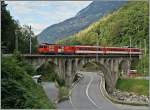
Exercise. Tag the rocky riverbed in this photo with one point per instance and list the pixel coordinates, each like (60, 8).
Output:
(130, 97)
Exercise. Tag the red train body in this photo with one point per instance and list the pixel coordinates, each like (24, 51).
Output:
(68, 49)
(48, 48)
(61, 49)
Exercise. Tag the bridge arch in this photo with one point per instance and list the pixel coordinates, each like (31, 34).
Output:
(80, 64)
(104, 68)
(70, 64)
(124, 66)
(51, 70)
(107, 75)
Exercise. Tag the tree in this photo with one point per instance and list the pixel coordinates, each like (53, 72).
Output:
(24, 39)
(8, 28)
(11, 31)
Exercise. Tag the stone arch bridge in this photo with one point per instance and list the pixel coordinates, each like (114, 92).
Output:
(69, 65)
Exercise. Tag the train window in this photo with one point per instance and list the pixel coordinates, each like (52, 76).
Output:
(83, 48)
(89, 48)
(44, 46)
(94, 49)
(41, 46)
(135, 50)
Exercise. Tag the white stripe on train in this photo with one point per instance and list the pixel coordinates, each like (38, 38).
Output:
(107, 52)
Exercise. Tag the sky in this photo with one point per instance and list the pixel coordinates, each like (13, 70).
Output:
(41, 14)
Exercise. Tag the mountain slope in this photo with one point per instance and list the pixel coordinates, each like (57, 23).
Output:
(83, 18)
(116, 29)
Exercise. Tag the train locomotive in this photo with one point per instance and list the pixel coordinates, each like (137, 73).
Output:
(46, 48)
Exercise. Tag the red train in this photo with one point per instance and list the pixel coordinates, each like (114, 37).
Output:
(46, 48)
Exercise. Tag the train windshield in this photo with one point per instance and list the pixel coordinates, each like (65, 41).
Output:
(42, 46)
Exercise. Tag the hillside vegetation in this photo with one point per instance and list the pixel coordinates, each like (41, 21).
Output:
(18, 89)
(139, 86)
(116, 29)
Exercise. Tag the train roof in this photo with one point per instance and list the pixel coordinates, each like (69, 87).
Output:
(48, 44)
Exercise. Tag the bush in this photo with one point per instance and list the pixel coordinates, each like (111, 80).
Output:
(63, 92)
(61, 82)
(47, 72)
(18, 89)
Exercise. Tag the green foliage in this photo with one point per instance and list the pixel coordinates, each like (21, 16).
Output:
(24, 39)
(22, 63)
(11, 29)
(116, 29)
(48, 73)
(91, 66)
(61, 82)
(69, 41)
(63, 92)
(139, 86)
(8, 26)
(143, 66)
(18, 89)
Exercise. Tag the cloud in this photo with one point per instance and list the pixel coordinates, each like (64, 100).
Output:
(41, 14)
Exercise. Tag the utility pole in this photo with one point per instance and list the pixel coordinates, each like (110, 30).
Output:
(130, 48)
(16, 40)
(130, 54)
(97, 33)
(145, 46)
(140, 56)
(30, 40)
(140, 45)
(144, 55)
(97, 50)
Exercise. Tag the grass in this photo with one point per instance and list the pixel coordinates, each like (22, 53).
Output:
(63, 92)
(138, 86)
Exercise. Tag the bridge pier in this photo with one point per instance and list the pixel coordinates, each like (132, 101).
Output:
(124, 66)
(68, 66)
(60, 66)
